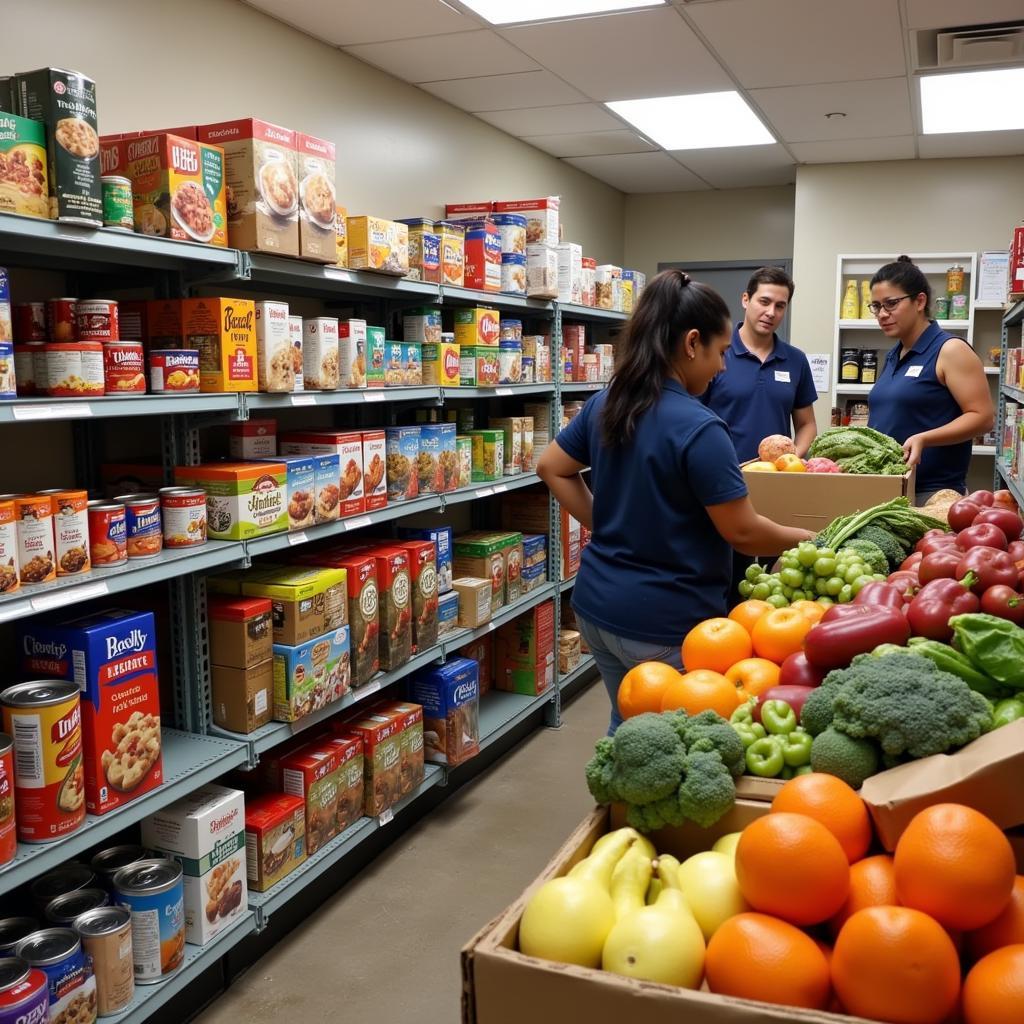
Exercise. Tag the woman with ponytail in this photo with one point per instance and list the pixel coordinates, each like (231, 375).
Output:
(668, 499)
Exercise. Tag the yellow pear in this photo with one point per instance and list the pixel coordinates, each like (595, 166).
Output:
(708, 880)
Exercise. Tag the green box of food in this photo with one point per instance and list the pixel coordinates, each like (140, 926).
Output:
(488, 455)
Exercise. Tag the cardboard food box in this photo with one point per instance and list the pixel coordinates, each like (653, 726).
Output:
(261, 170)
(275, 838)
(318, 238)
(224, 332)
(205, 833)
(378, 244)
(252, 439)
(313, 773)
(306, 602)
(240, 631)
(812, 500)
(348, 447)
(382, 759)
(243, 499)
(350, 780)
(275, 355)
(474, 601)
(23, 183)
(312, 675)
(242, 697)
(450, 695)
(423, 578)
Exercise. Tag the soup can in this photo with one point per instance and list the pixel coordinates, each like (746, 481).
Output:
(108, 534)
(124, 368)
(58, 953)
(13, 930)
(65, 910)
(44, 719)
(60, 320)
(117, 203)
(108, 862)
(24, 993)
(106, 936)
(29, 321)
(96, 320)
(70, 530)
(153, 892)
(60, 881)
(143, 524)
(8, 833)
(184, 515)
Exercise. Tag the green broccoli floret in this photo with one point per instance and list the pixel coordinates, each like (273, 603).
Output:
(883, 539)
(708, 791)
(816, 714)
(908, 705)
(871, 554)
(708, 731)
(849, 759)
(599, 771)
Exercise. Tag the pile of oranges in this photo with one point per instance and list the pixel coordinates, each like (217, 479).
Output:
(727, 661)
(932, 934)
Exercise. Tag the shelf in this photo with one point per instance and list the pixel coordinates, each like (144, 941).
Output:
(260, 270)
(853, 389)
(571, 311)
(356, 396)
(266, 903)
(500, 391)
(24, 410)
(568, 387)
(543, 308)
(189, 761)
(140, 572)
(1012, 484)
(872, 325)
(452, 642)
(566, 585)
(1015, 314)
(983, 449)
(570, 683)
(501, 712)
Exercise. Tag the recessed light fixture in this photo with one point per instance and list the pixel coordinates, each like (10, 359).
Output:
(973, 101)
(510, 12)
(708, 120)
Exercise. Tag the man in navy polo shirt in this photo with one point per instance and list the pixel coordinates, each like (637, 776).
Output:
(766, 387)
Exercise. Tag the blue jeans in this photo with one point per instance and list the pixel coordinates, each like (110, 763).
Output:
(616, 655)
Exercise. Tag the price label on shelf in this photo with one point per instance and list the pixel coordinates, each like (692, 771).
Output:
(386, 817)
(72, 595)
(303, 399)
(46, 412)
(297, 538)
(503, 391)
(358, 523)
(373, 396)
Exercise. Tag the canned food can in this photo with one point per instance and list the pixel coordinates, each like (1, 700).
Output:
(124, 368)
(153, 892)
(143, 524)
(75, 370)
(10, 575)
(34, 521)
(96, 320)
(60, 319)
(108, 534)
(58, 953)
(8, 835)
(44, 719)
(8, 371)
(184, 515)
(24, 993)
(117, 203)
(25, 369)
(13, 930)
(60, 881)
(174, 370)
(106, 936)
(64, 910)
(29, 321)
(71, 531)
(108, 862)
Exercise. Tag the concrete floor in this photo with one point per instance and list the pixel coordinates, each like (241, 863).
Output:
(386, 947)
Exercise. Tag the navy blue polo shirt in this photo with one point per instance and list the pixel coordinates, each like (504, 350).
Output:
(656, 565)
(909, 398)
(757, 399)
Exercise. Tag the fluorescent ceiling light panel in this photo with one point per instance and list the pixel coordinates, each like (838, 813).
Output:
(511, 12)
(976, 101)
(708, 120)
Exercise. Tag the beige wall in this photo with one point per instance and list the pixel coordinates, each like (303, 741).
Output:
(401, 152)
(738, 224)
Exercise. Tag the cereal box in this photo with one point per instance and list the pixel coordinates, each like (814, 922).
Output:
(424, 250)
(375, 480)
(313, 773)
(350, 779)
(474, 601)
(311, 675)
(403, 452)
(442, 364)
(541, 217)
(447, 613)
(349, 449)
(488, 455)
(327, 487)
(378, 244)
(483, 256)
(261, 170)
(224, 331)
(450, 695)
(300, 488)
(252, 439)
(275, 356)
(453, 252)
(479, 366)
(464, 454)
(305, 602)
(381, 736)
(395, 593)
(477, 325)
(482, 555)
(352, 353)
(275, 838)
(23, 184)
(205, 833)
(512, 427)
(376, 350)
(111, 655)
(318, 239)
(423, 578)
(320, 363)
(570, 273)
(341, 231)
(243, 499)
(438, 462)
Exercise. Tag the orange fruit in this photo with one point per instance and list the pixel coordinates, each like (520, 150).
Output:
(701, 690)
(779, 634)
(746, 613)
(832, 802)
(715, 644)
(810, 610)
(752, 676)
(872, 884)
(753, 956)
(994, 988)
(955, 864)
(896, 964)
(643, 687)
(1006, 930)
(791, 866)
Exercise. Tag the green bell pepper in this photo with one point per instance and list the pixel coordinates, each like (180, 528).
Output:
(749, 732)
(778, 717)
(765, 758)
(992, 645)
(1007, 711)
(796, 748)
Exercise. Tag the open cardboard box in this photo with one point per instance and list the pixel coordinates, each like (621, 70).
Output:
(812, 500)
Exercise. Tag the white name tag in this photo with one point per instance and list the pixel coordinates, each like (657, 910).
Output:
(913, 371)
(782, 376)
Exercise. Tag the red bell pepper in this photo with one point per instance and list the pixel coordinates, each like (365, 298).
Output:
(835, 640)
(879, 595)
(983, 567)
(936, 603)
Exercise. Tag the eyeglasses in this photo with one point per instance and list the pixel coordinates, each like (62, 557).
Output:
(887, 304)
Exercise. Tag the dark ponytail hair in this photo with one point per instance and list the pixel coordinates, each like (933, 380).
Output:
(670, 307)
(905, 274)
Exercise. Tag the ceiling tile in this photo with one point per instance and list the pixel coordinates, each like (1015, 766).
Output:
(505, 92)
(873, 109)
(972, 144)
(624, 56)
(590, 143)
(740, 166)
(569, 117)
(367, 21)
(459, 55)
(799, 42)
(640, 172)
(845, 151)
(951, 13)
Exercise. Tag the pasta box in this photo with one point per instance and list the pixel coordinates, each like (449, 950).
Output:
(111, 656)
(348, 446)
(243, 499)
(441, 537)
(423, 578)
(275, 838)
(306, 602)
(23, 182)
(450, 695)
(378, 244)
(300, 488)
(313, 773)
(310, 676)
(224, 332)
(477, 325)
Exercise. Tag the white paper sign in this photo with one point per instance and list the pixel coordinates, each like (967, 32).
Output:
(821, 371)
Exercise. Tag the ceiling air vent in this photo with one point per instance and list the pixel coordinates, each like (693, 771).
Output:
(970, 47)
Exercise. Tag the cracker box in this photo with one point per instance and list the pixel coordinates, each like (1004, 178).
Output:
(224, 332)
(275, 356)
(513, 429)
(252, 439)
(348, 446)
(403, 448)
(438, 462)
(474, 601)
(341, 231)
(311, 675)
(205, 833)
(327, 487)
(381, 736)
(453, 252)
(375, 480)
(541, 217)
(23, 183)
(378, 244)
(178, 188)
(447, 613)
(261, 171)
(350, 779)
(441, 537)
(111, 656)
(423, 578)
(241, 630)
(243, 499)
(306, 602)
(442, 364)
(300, 488)
(275, 838)
(450, 695)
(313, 773)
(243, 698)
(320, 354)
(570, 273)
(488, 454)
(483, 256)
(318, 238)
(424, 250)
(477, 325)
(352, 353)
(482, 555)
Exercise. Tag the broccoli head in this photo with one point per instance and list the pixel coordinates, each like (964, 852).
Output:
(708, 731)
(708, 790)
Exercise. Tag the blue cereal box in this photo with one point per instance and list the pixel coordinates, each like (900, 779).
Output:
(442, 538)
(311, 675)
(439, 463)
(327, 487)
(403, 453)
(450, 695)
(447, 612)
(112, 657)
(300, 488)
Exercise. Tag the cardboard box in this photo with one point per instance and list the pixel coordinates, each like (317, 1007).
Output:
(232, 511)
(318, 238)
(275, 838)
(474, 601)
(450, 695)
(306, 602)
(313, 773)
(242, 697)
(240, 631)
(252, 439)
(205, 833)
(224, 332)
(311, 675)
(275, 358)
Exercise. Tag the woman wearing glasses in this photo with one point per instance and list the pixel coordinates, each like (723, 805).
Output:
(932, 394)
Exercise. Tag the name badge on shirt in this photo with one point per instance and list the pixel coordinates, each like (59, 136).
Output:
(913, 371)
(782, 376)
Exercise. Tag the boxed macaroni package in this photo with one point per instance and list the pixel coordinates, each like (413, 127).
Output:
(450, 695)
